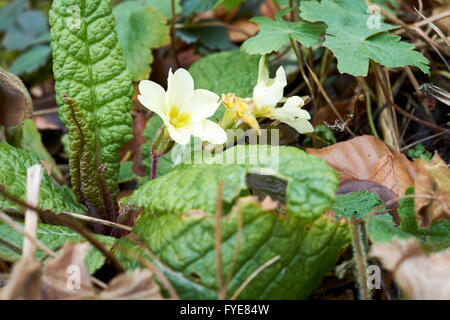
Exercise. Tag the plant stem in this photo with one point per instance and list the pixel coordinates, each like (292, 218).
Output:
(155, 159)
(172, 35)
(360, 258)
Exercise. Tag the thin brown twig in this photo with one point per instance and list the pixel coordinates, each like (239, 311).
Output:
(421, 140)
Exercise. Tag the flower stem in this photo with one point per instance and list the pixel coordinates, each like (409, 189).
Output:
(155, 159)
(360, 258)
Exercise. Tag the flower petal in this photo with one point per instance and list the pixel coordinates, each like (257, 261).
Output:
(263, 71)
(268, 94)
(152, 96)
(291, 110)
(301, 125)
(201, 104)
(180, 86)
(181, 136)
(210, 131)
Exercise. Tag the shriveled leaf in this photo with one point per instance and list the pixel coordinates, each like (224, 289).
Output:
(381, 228)
(185, 247)
(368, 158)
(13, 174)
(355, 39)
(419, 276)
(140, 29)
(224, 72)
(432, 180)
(53, 237)
(15, 106)
(274, 34)
(25, 281)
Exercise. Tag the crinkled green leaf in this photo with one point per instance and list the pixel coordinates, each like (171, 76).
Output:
(140, 29)
(357, 204)
(311, 183)
(382, 228)
(355, 39)
(276, 33)
(30, 60)
(53, 237)
(224, 72)
(89, 67)
(185, 247)
(13, 174)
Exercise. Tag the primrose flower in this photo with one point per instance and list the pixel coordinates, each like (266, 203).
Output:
(266, 95)
(183, 110)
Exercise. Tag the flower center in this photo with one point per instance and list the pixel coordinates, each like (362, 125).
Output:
(177, 119)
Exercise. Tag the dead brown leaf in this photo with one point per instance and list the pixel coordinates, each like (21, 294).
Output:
(242, 29)
(433, 180)
(15, 105)
(25, 281)
(419, 276)
(368, 158)
(132, 285)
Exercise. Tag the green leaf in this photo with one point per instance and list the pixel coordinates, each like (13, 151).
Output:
(32, 141)
(53, 237)
(420, 152)
(185, 247)
(356, 204)
(353, 43)
(140, 29)
(163, 6)
(30, 60)
(89, 67)
(311, 183)
(229, 4)
(382, 228)
(212, 37)
(274, 34)
(196, 6)
(323, 137)
(10, 12)
(126, 172)
(224, 72)
(13, 174)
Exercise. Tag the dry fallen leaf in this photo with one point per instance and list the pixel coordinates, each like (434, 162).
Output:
(67, 277)
(132, 285)
(368, 158)
(420, 277)
(432, 179)
(15, 105)
(242, 29)
(25, 281)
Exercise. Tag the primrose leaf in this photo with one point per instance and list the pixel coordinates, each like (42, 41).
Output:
(185, 247)
(276, 33)
(382, 228)
(30, 60)
(89, 67)
(53, 237)
(224, 72)
(140, 29)
(310, 190)
(354, 41)
(13, 174)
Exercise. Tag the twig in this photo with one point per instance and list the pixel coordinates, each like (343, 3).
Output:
(333, 107)
(100, 221)
(421, 140)
(253, 276)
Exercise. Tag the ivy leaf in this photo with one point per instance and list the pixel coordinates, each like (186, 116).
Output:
(89, 67)
(185, 247)
(224, 72)
(13, 174)
(382, 228)
(30, 60)
(276, 33)
(353, 43)
(140, 29)
(53, 237)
